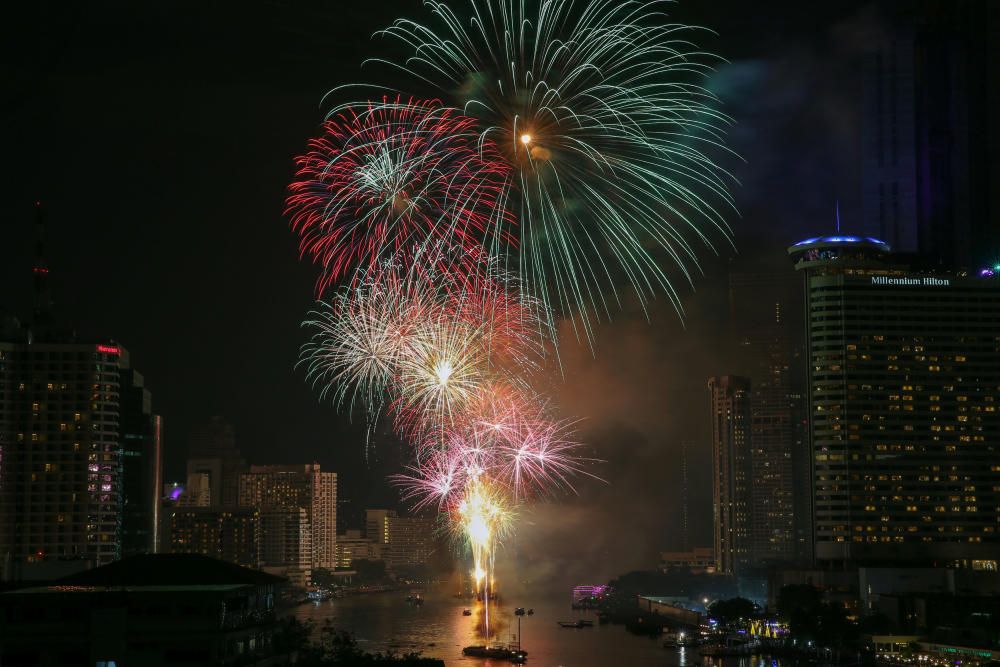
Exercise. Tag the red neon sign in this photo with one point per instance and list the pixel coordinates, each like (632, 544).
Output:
(109, 349)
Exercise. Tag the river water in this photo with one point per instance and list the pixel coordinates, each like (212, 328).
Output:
(385, 621)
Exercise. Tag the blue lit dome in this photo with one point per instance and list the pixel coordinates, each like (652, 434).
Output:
(843, 240)
(838, 248)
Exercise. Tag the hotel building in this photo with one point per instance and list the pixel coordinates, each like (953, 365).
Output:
(904, 393)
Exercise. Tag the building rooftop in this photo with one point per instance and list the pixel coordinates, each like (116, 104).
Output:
(174, 570)
(36, 590)
(842, 239)
(829, 251)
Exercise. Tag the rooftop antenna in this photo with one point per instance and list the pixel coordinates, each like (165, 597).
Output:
(40, 272)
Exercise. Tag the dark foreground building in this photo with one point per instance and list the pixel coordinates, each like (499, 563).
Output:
(151, 610)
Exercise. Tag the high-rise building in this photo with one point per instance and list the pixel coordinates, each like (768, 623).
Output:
(286, 544)
(205, 477)
(71, 413)
(686, 446)
(349, 515)
(142, 458)
(231, 534)
(731, 472)
(62, 460)
(904, 402)
(411, 541)
(197, 491)
(81, 456)
(377, 526)
(352, 546)
(763, 309)
(294, 487)
(696, 561)
(929, 132)
(216, 441)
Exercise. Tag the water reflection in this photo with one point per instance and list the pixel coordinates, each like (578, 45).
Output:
(438, 629)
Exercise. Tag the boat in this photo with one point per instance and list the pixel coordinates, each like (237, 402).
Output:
(510, 653)
(466, 612)
(578, 623)
(733, 647)
(676, 640)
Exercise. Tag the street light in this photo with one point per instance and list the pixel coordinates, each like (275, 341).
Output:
(519, 612)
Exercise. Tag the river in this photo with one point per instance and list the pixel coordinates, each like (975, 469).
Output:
(385, 621)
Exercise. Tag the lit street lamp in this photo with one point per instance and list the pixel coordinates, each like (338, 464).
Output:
(519, 612)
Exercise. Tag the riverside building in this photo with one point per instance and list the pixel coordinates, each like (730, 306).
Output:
(904, 393)
(283, 490)
(732, 473)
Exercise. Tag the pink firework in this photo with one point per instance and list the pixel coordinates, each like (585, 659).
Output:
(396, 176)
(504, 437)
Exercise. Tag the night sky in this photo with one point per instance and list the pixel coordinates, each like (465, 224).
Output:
(160, 137)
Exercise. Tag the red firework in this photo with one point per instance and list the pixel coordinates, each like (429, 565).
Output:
(395, 176)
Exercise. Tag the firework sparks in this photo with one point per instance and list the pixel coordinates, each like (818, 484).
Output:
(422, 339)
(390, 176)
(590, 127)
(601, 113)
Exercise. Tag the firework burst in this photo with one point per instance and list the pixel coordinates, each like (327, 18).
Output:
(505, 437)
(423, 338)
(588, 125)
(395, 176)
(600, 111)
(360, 336)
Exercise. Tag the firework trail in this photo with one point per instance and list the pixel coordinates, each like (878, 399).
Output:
(600, 112)
(572, 153)
(506, 450)
(449, 355)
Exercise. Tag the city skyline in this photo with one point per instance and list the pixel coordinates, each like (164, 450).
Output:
(219, 316)
(426, 332)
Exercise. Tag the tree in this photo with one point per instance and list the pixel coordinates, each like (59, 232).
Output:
(291, 636)
(810, 618)
(369, 571)
(798, 598)
(336, 648)
(875, 624)
(800, 606)
(734, 609)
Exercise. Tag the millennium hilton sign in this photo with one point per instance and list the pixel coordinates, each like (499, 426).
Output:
(906, 280)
